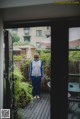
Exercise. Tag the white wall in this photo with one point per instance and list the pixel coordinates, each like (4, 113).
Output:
(1, 60)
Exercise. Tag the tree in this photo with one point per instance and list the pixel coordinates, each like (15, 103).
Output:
(15, 37)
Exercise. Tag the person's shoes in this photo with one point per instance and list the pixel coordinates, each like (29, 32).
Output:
(34, 97)
(38, 97)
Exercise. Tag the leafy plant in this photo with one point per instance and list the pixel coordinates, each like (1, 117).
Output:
(17, 74)
(26, 63)
(20, 110)
(74, 56)
(18, 57)
(22, 93)
(44, 51)
(22, 90)
(47, 77)
(22, 43)
(44, 56)
(15, 37)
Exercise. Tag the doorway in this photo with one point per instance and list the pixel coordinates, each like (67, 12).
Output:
(23, 52)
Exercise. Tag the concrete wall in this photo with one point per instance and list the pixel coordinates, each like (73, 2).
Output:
(1, 60)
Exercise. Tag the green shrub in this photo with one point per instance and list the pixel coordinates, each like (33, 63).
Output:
(19, 43)
(17, 74)
(46, 58)
(22, 93)
(20, 111)
(74, 56)
(44, 51)
(22, 90)
(25, 70)
(26, 63)
(18, 58)
(15, 37)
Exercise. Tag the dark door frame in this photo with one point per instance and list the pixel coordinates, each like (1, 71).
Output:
(59, 59)
(8, 102)
(6, 73)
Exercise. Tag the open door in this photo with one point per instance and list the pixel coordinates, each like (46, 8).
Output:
(8, 73)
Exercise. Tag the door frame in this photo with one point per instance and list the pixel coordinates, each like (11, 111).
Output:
(59, 59)
(8, 80)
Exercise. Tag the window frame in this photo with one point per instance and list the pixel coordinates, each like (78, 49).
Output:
(38, 33)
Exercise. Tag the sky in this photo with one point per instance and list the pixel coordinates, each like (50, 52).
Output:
(74, 33)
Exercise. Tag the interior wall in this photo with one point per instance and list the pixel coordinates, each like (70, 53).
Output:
(41, 12)
(1, 60)
(18, 3)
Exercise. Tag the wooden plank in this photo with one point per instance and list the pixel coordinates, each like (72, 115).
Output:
(43, 108)
(74, 99)
(29, 109)
(74, 75)
(47, 111)
(38, 109)
(49, 116)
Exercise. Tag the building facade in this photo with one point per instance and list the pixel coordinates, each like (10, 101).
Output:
(33, 35)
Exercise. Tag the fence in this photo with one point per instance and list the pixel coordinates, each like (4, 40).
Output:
(74, 68)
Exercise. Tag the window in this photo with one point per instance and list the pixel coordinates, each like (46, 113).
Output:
(47, 36)
(26, 30)
(39, 33)
(74, 69)
(26, 38)
(14, 30)
(74, 50)
(47, 27)
(38, 45)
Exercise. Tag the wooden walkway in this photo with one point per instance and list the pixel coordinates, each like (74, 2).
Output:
(38, 108)
(76, 113)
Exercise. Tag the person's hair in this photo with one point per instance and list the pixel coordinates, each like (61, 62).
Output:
(36, 55)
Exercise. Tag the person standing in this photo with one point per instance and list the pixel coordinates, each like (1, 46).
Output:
(36, 73)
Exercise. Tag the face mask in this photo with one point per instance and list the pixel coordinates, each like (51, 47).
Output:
(36, 58)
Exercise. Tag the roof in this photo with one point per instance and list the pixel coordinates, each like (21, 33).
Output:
(16, 49)
(22, 46)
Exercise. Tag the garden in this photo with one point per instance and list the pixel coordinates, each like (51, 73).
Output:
(74, 64)
(22, 85)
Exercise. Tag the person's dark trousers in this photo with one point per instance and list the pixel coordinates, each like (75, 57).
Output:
(36, 83)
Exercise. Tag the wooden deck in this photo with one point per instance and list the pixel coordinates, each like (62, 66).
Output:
(38, 108)
(75, 114)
